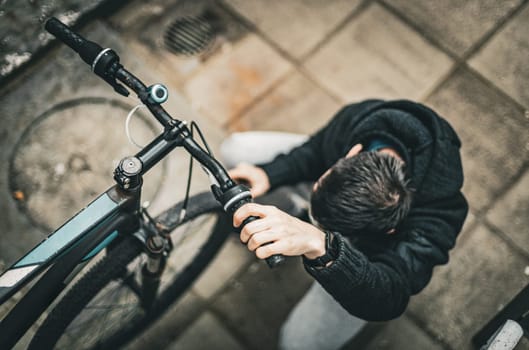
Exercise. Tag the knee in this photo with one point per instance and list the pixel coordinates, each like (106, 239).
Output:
(291, 337)
(285, 340)
(230, 150)
(228, 144)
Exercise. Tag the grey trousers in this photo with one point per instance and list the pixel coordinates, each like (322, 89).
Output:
(317, 322)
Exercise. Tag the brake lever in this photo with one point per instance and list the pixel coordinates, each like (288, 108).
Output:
(105, 65)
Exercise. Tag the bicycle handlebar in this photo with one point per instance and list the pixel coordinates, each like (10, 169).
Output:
(105, 63)
(88, 50)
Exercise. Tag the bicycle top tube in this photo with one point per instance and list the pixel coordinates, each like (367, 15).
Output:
(104, 209)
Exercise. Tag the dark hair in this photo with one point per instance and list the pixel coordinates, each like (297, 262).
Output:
(366, 193)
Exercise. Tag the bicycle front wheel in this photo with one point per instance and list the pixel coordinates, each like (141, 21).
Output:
(104, 308)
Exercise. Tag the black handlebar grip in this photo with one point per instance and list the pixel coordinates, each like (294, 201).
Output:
(272, 261)
(233, 199)
(88, 50)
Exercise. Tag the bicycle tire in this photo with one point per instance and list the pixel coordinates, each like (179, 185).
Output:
(70, 322)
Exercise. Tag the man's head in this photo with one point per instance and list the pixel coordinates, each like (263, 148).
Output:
(363, 193)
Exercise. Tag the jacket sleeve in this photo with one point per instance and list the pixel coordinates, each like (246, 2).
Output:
(378, 287)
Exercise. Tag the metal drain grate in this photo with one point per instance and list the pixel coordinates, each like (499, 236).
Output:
(189, 36)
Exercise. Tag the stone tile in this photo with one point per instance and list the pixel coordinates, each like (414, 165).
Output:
(230, 260)
(468, 225)
(144, 25)
(503, 60)
(296, 26)
(297, 105)
(206, 333)
(229, 82)
(469, 221)
(523, 344)
(398, 334)
(492, 130)
(510, 213)
(256, 303)
(170, 326)
(455, 25)
(483, 274)
(377, 55)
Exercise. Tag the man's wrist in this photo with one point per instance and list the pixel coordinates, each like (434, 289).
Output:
(317, 246)
(330, 253)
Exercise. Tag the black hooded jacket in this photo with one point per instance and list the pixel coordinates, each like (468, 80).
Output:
(374, 278)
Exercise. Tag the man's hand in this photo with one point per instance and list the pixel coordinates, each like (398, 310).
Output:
(286, 234)
(254, 176)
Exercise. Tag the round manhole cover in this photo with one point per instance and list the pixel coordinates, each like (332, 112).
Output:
(67, 157)
(189, 35)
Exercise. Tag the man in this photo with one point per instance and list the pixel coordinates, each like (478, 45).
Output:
(371, 246)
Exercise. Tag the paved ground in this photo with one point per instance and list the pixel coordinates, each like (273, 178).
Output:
(289, 65)
(22, 34)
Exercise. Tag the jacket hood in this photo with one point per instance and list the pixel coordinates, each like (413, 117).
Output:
(426, 142)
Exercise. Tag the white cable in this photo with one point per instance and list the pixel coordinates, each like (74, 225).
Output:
(127, 123)
(183, 213)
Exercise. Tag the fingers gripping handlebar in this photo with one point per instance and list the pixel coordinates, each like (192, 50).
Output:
(235, 198)
(105, 63)
(231, 198)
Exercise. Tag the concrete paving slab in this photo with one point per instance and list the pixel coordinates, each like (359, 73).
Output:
(233, 258)
(455, 25)
(378, 56)
(296, 105)
(296, 26)
(256, 303)
(523, 344)
(492, 130)
(483, 274)
(510, 213)
(398, 334)
(503, 60)
(144, 26)
(229, 82)
(470, 224)
(171, 326)
(205, 334)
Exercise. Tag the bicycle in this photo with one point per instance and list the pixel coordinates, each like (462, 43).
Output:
(139, 274)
